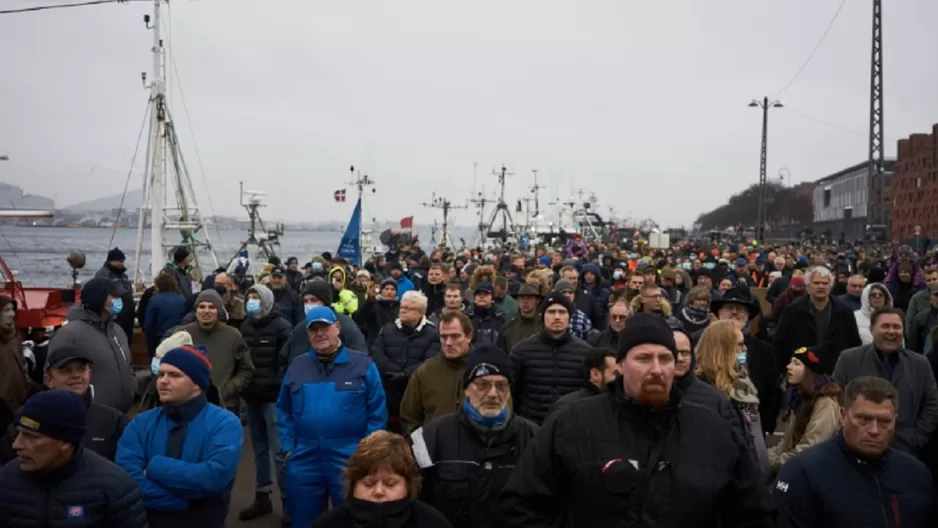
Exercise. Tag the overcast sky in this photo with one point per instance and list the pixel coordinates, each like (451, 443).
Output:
(642, 102)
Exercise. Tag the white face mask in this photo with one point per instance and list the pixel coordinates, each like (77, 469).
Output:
(155, 366)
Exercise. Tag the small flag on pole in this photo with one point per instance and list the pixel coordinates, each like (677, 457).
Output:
(407, 222)
(339, 195)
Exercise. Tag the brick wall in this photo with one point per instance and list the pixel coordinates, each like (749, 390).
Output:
(914, 188)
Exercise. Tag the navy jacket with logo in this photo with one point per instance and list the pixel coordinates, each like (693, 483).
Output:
(828, 486)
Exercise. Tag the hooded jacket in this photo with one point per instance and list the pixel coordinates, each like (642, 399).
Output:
(125, 319)
(863, 314)
(112, 374)
(344, 301)
(265, 335)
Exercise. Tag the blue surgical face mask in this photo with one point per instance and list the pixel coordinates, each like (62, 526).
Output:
(116, 306)
(740, 359)
(709, 265)
(155, 366)
(252, 307)
(633, 256)
(617, 275)
(685, 266)
(308, 307)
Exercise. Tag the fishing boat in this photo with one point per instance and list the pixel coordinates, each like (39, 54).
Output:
(38, 308)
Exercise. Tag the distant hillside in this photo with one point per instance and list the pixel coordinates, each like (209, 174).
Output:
(131, 203)
(13, 197)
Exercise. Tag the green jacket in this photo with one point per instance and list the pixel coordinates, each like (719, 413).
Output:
(508, 306)
(434, 389)
(516, 331)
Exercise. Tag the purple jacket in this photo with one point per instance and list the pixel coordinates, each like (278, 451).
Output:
(892, 278)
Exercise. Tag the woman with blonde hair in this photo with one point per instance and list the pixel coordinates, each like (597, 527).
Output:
(383, 485)
(814, 407)
(721, 362)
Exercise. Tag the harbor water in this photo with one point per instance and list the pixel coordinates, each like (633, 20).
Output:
(37, 254)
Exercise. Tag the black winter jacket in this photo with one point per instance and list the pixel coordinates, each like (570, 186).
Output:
(266, 337)
(543, 370)
(87, 491)
(563, 402)
(828, 486)
(797, 328)
(373, 315)
(608, 339)
(290, 305)
(398, 352)
(706, 395)
(105, 427)
(611, 462)
(465, 469)
(486, 325)
(361, 514)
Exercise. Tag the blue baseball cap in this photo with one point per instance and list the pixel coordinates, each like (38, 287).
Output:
(320, 314)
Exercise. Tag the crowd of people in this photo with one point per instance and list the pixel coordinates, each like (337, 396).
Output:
(587, 386)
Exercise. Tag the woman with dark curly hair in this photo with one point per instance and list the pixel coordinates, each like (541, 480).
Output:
(383, 485)
(814, 410)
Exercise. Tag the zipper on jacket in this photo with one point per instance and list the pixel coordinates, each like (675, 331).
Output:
(44, 522)
(896, 517)
(882, 501)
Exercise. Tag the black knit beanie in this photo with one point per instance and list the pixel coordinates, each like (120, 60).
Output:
(645, 329)
(555, 298)
(486, 360)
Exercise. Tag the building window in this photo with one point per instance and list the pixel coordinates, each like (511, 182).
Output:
(827, 197)
(918, 182)
(848, 213)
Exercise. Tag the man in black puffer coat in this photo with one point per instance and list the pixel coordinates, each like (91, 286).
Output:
(401, 347)
(466, 457)
(548, 364)
(266, 333)
(56, 482)
(638, 455)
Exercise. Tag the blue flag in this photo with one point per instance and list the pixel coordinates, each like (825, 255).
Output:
(350, 245)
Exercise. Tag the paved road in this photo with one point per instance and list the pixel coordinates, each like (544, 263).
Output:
(243, 493)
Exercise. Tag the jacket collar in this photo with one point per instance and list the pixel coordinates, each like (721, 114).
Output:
(423, 322)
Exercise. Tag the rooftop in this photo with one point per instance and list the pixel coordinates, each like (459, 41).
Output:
(888, 164)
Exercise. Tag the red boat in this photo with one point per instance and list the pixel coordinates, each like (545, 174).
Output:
(38, 307)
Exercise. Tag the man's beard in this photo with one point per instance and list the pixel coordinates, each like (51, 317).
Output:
(654, 393)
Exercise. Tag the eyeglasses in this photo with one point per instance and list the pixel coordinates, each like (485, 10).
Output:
(615, 317)
(484, 387)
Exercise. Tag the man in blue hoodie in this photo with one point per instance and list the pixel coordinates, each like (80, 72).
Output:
(184, 455)
(330, 399)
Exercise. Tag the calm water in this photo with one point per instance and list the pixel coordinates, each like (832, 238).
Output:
(37, 254)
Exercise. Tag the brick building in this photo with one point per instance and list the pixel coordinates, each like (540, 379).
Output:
(915, 187)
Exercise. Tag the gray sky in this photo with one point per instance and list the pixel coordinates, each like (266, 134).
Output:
(642, 102)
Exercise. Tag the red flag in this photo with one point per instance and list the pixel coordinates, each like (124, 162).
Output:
(407, 222)
(339, 195)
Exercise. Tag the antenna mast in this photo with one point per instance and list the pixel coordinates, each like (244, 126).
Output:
(877, 184)
(439, 202)
(508, 225)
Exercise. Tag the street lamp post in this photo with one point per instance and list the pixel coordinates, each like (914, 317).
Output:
(764, 104)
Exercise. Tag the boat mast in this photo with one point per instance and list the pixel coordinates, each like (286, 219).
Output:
(154, 176)
(360, 181)
(163, 147)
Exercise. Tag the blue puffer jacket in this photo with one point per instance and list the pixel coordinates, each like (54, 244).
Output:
(197, 486)
(322, 414)
(828, 486)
